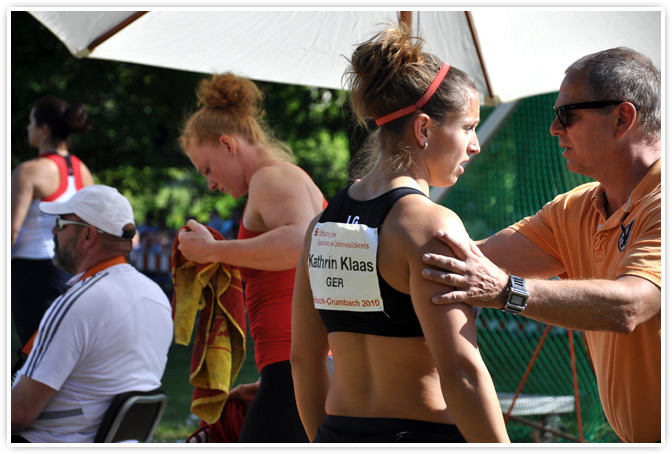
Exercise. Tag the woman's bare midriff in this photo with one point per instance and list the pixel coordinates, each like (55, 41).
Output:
(384, 377)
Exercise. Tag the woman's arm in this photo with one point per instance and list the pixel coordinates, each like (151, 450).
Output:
(309, 350)
(281, 203)
(87, 177)
(30, 180)
(450, 332)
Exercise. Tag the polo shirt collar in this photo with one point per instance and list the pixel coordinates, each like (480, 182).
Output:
(98, 268)
(648, 184)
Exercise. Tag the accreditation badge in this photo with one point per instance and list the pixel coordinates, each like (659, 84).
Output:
(342, 267)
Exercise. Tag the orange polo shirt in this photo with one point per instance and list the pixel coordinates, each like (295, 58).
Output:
(574, 229)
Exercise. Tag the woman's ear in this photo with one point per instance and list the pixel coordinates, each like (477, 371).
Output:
(228, 143)
(421, 130)
(45, 132)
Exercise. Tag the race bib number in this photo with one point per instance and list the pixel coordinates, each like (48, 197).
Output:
(342, 267)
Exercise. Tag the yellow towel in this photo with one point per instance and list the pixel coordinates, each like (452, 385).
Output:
(219, 345)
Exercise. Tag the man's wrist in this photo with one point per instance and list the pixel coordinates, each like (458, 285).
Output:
(516, 296)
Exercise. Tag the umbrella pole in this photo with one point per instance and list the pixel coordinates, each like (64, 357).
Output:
(406, 18)
(114, 30)
(477, 44)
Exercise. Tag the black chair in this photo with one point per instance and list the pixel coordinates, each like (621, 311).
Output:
(132, 415)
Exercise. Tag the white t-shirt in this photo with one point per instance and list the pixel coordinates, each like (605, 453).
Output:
(108, 334)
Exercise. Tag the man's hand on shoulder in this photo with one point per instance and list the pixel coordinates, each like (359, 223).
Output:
(475, 279)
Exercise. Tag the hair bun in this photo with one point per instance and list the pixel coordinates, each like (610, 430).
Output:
(378, 68)
(229, 92)
(391, 71)
(401, 49)
(76, 118)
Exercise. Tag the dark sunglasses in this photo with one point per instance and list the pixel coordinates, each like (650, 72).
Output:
(61, 223)
(562, 112)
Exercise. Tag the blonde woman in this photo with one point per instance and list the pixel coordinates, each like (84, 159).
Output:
(229, 143)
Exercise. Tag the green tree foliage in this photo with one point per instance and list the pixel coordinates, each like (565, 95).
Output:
(137, 112)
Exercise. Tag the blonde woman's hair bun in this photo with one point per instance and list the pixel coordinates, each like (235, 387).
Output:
(230, 92)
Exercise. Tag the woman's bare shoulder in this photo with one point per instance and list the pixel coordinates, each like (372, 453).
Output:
(36, 171)
(417, 218)
(283, 181)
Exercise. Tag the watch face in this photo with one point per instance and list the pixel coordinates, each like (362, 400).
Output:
(517, 300)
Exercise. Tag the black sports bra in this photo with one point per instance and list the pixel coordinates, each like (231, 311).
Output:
(398, 318)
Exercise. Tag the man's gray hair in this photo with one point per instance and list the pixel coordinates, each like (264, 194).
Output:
(627, 75)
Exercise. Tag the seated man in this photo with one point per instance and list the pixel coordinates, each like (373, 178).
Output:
(108, 333)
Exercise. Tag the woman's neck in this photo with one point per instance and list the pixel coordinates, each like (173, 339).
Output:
(61, 149)
(386, 176)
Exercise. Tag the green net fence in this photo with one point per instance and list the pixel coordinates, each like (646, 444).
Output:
(519, 170)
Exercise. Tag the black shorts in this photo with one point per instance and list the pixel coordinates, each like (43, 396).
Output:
(35, 285)
(273, 416)
(346, 429)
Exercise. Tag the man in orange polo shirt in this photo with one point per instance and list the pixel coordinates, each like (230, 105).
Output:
(603, 239)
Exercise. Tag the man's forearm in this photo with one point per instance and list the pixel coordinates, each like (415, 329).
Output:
(594, 305)
(29, 397)
(618, 305)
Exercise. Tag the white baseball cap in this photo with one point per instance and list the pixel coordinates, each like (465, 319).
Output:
(101, 206)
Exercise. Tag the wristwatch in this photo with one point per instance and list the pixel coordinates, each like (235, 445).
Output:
(516, 298)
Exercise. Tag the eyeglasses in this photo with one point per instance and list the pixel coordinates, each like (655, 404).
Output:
(562, 112)
(61, 223)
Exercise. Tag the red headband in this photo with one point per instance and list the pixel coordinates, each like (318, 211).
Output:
(421, 102)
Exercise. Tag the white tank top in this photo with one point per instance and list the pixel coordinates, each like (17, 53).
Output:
(35, 240)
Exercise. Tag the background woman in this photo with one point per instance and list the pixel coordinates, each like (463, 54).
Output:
(404, 368)
(230, 145)
(54, 175)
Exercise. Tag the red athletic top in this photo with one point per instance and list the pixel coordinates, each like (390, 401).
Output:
(268, 299)
(68, 165)
(35, 240)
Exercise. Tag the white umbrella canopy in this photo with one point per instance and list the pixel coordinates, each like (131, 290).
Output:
(511, 53)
